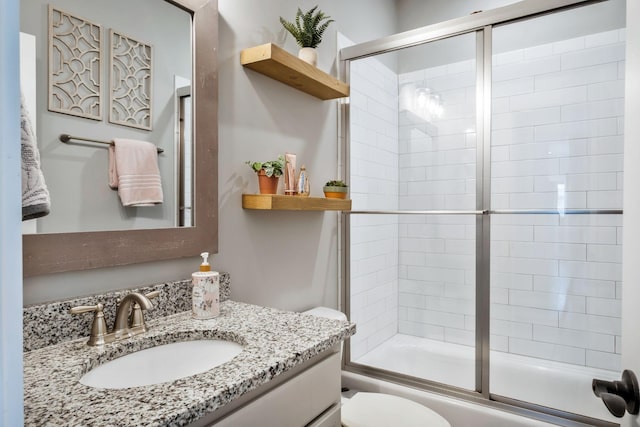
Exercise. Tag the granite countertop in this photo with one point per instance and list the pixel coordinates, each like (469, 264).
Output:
(274, 342)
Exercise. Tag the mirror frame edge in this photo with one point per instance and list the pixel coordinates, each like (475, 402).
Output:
(60, 252)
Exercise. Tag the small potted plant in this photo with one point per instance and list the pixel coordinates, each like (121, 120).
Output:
(335, 189)
(308, 29)
(268, 173)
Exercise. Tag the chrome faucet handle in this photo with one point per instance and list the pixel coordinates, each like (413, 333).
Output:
(98, 327)
(137, 318)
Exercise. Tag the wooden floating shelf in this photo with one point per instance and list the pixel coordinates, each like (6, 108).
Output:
(275, 202)
(280, 65)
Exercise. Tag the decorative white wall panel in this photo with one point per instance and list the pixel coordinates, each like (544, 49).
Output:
(130, 92)
(74, 65)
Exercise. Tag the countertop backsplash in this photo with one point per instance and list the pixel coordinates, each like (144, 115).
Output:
(51, 323)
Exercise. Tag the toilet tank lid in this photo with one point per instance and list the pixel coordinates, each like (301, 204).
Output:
(326, 312)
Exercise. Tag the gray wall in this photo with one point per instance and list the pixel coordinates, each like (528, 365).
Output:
(282, 259)
(76, 175)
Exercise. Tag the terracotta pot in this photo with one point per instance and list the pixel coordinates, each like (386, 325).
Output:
(267, 184)
(335, 192)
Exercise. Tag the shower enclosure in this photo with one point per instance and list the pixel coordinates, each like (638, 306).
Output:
(484, 251)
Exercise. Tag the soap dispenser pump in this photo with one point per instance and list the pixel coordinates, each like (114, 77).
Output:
(206, 291)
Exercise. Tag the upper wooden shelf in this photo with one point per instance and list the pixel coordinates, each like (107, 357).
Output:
(279, 64)
(277, 202)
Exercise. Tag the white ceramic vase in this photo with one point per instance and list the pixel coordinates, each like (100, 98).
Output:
(309, 55)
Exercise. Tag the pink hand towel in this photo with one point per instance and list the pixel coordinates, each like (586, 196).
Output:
(133, 170)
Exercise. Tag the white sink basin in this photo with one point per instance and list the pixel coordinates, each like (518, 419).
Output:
(160, 364)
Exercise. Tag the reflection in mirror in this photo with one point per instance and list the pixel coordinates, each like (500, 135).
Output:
(184, 140)
(141, 234)
(76, 173)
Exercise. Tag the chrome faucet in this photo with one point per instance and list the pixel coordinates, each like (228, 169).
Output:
(129, 319)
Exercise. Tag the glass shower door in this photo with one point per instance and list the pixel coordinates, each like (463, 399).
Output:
(412, 246)
(556, 203)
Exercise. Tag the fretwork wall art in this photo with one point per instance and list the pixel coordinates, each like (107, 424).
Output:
(76, 68)
(75, 62)
(130, 92)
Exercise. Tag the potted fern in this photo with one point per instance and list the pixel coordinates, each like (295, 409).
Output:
(335, 189)
(308, 29)
(268, 174)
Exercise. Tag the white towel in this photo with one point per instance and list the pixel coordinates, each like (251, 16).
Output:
(35, 195)
(133, 170)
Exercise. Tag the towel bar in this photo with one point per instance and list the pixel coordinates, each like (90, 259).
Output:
(66, 138)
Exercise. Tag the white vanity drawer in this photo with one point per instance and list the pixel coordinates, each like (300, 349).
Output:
(295, 403)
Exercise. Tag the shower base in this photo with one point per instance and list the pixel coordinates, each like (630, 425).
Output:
(552, 384)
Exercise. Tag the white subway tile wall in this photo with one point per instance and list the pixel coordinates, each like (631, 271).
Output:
(557, 143)
(437, 171)
(374, 184)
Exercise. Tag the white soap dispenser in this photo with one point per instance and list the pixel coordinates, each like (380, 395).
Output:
(206, 291)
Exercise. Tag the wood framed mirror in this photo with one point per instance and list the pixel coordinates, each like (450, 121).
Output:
(59, 252)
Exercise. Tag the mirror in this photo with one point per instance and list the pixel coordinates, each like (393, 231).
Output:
(66, 251)
(102, 74)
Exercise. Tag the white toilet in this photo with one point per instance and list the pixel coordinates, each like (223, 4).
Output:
(378, 409)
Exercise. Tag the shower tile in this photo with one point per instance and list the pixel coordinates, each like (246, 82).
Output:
(460, 336)
(606, 145)
(604, 307)
(577, 182)
(549, 150)
(567, 251)
(499, 343)
(526, 68)
(569, 45)
(451, 320)
(524, 314)
(589, 340)
(573, 130)
(525, 118)
(573, 234)
(546, 351)
(591, 270)
(593, 110)
(511, 281)
(577, 77)
(572, 200)
(538, 51)
(572, 286)
(602, 360)
(591, 323)
(593, 56)
(511, 329)
(604, 200)
(548, 301)
(605, 90)
(526, 168)
(421, 330)
(549, 98)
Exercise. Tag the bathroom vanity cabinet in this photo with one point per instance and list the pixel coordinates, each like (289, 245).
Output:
(308, 398)
(287, 374)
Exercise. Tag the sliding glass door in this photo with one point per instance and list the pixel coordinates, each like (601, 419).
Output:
(484, 246)
(413, 179)
(556, 203)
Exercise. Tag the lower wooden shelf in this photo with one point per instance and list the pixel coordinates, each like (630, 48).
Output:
(276, 202)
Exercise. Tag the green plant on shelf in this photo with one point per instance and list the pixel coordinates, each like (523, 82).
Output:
(336, 183)
(270, 167)
(308, 27)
